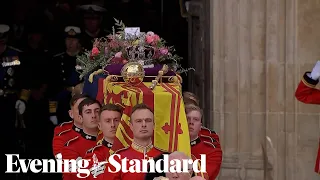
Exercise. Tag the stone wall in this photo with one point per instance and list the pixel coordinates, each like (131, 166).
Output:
(259, 51)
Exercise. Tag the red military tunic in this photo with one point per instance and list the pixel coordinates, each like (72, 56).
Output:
(307, 93)
(63, 137)
(213, 157)
(133, 152)
(76, 148)
(97, 154)
(205, 132)
(62, 127)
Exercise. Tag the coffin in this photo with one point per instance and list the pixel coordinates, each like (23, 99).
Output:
(171, 128)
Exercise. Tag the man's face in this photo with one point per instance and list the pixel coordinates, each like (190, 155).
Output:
(35, 38)
(72, 44)
(3, 41)
(74, 112)
(108, 124)
(92, 24)
(142, 123)
(178, 176)
(194, 122)
(90, 115)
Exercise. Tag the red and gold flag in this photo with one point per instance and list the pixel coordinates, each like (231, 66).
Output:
(171, 128)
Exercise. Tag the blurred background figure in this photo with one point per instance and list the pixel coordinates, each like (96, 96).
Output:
(92, 15)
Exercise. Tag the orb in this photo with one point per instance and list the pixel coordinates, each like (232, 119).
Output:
(133, 73)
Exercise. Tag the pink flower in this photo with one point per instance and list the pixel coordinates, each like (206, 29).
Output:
(118, 54)
(124, 61)
(106, 50)
(163, 51)
(95, 51)
(152, 39)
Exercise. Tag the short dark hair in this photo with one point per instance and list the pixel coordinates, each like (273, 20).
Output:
(76, 97)
(111, 107)
(140, 107)
(87, 102)
(192, 96)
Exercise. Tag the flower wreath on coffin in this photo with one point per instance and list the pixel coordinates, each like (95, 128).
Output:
(127, 48)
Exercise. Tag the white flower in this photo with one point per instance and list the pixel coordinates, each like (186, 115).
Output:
(150, 33)
(119, 36)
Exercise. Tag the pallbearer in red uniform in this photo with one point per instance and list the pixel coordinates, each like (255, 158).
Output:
(205, 134)
(77, 147)
(309, 94)
(198, 146)
(75, 126)
(110, 116)
(142, 125)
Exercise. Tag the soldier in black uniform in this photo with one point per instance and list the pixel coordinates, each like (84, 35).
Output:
(65, 76)
(92, 16)
(9, 89)
(34, 82)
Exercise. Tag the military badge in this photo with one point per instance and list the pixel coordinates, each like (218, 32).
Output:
(11, 82)
(10, 71)
(71, 32)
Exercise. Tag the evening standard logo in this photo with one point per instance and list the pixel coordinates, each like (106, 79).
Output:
(81, 166)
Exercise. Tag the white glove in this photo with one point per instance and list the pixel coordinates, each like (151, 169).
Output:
(315, 74)
(54, 120)
(20, 106)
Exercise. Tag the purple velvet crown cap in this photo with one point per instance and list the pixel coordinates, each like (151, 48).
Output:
(115, 69)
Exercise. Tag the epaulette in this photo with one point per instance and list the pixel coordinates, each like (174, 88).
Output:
(16, 49)
(59, 54)
(211, 131)
(71, 140)
(62, 132)
(209, 137)
(122, 149)
(65, 123)
(209, 144)
(91, 150)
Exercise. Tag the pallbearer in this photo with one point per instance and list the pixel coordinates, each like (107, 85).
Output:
(142, 125)
(72, 128)
(198, 146)
(110, 116)
(308, 93)
(77, 147)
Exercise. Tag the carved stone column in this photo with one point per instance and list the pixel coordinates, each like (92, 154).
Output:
(259, 51)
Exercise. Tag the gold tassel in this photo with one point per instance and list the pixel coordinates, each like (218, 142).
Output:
(53, 106)
(95, 73)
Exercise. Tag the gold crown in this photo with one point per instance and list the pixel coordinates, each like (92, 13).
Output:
(140, 53)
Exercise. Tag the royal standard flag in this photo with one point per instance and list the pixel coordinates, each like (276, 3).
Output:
(171, 129)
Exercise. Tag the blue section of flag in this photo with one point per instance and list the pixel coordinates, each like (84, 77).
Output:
(91, 89)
